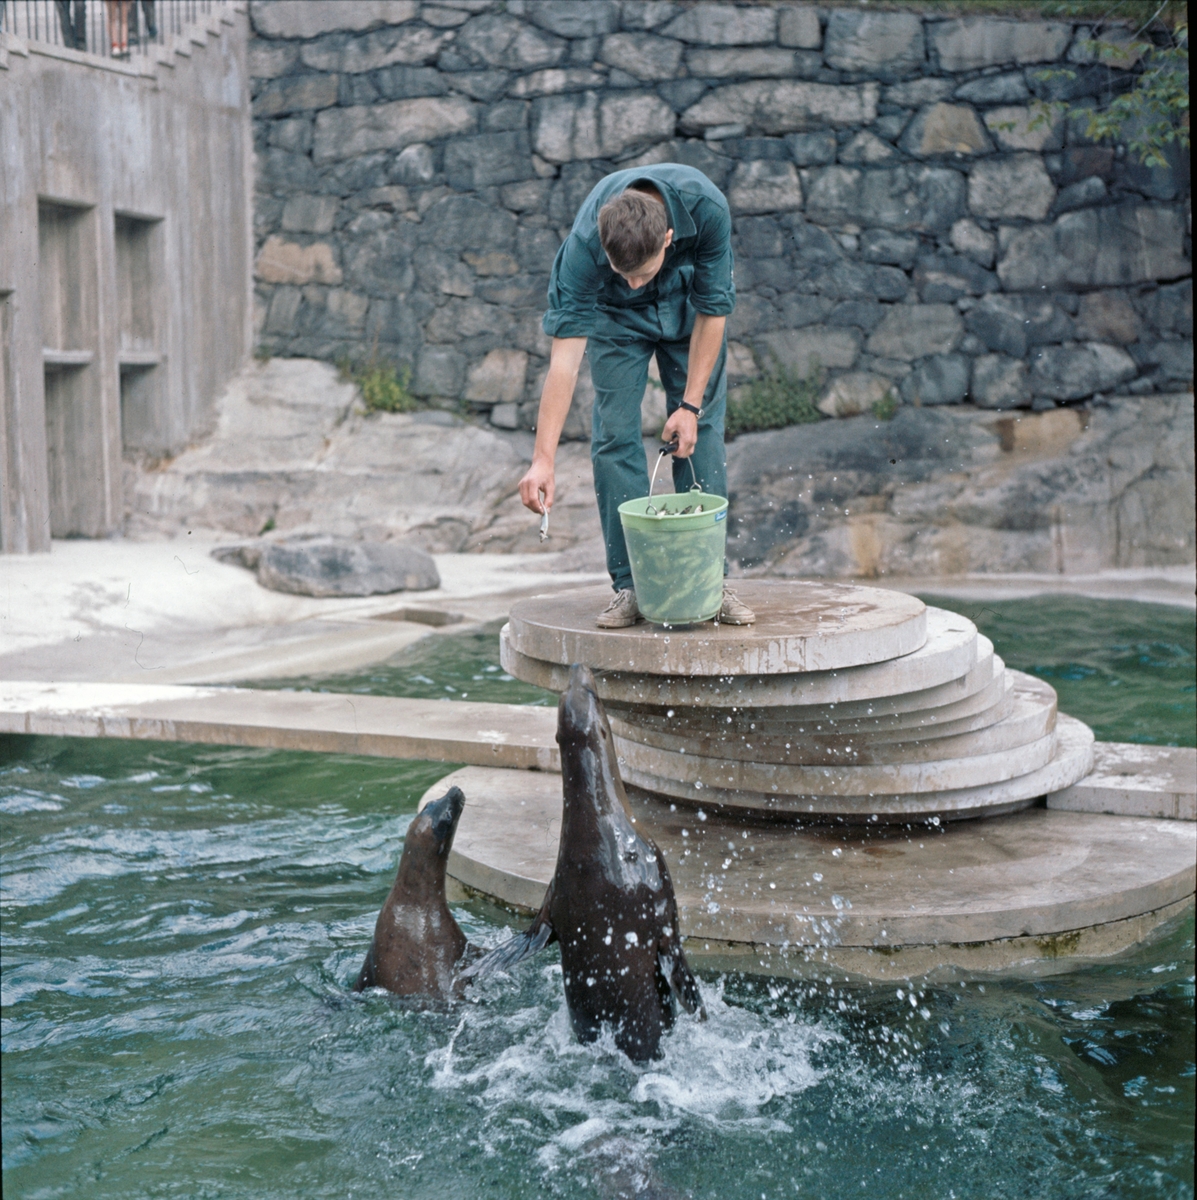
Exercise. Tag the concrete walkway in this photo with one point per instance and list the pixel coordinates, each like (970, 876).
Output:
(166, 612)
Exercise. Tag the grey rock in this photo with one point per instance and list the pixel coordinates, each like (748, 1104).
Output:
(759, 237)
(403, 83)
(679, 94)
(1096, 247)
(645, 14)
(269, 60)
(502, 41)
(346, 133)
(294, 135)
(760, 147)
(463, 318)
(942, 379)
(1107, 317)
(466, 223)
(882, 246)
(724, 25)
(796, 310)
(978, 244)
(413, 45)
(815, 348)
(311, 18)
(554, 80)
(873, 41)
(1000, 382)
(946, 129)
(994, 89)
(763, 62)
(295, 93)
(486, 86)
(310, 214)
(815, 245)
(1082, 194)
(440, 371)
(865, 147)
(1012, 324)
(414, 165)
(567, 128)
(1024, 127)
(1174, 360)
(506, 116)
(764, 186)
(1017, 186)
(854, 393)
(642, 55)
(505, 416)
(575, 18)
(970, 43)
(488, 159)
(812, 149)
(1074, 372)
(919, 198)
(944, 278)
(1081, 162)
(913, 331)
(336, 567)
(1168, 309)
(442, 273)
(915, 93)
(865, 314)
(783, 106)
(848, 280)
(799, 27)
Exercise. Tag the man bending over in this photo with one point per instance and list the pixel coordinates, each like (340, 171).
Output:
(646, 269)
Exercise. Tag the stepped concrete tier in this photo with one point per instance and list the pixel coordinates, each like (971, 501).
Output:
(841, 702)
(1034, 888)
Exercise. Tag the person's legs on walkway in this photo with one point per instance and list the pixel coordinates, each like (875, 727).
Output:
(619, 369)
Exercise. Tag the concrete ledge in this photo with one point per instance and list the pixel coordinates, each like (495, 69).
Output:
(1132, 780)
(449, 731)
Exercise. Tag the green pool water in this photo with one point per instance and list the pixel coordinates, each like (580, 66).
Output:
(180, 923)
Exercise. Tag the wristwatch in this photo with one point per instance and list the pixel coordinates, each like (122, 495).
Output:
(690, 408)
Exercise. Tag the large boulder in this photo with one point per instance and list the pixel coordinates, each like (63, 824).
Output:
(329, 567)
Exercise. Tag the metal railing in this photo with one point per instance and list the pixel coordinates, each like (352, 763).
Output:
(109, 28)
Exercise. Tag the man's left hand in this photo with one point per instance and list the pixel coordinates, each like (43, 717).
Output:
(682, 427)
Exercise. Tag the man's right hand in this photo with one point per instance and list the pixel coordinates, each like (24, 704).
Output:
(539, 479)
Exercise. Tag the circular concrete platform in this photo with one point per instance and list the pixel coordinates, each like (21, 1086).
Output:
(949, 649)
(816, 627)
(1032, 889)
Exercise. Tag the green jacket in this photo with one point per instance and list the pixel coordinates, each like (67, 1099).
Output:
(587, 298)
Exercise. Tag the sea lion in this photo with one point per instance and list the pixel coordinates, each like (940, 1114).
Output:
(610, 902)
(417, 943)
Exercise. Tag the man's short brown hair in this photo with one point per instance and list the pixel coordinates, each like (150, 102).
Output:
(632, 229)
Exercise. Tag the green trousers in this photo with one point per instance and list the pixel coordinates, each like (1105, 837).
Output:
(619, 368)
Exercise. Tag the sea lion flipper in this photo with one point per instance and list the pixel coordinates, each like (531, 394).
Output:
(676, 970)
(367, 975)
(502, 958)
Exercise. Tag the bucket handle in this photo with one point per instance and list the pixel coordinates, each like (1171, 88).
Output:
(650, 509)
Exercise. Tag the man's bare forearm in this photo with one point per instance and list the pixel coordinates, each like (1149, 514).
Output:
(706, 341)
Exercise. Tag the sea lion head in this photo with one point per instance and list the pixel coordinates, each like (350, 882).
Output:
(436, 823)
(580, 716)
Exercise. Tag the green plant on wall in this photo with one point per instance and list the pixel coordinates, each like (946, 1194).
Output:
(778, 398)
(384, 387)
(1152, 115)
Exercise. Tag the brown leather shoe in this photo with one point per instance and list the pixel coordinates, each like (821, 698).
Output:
(734, 610)
(621, 612)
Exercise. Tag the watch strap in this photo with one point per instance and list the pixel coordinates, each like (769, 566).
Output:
(690, 408)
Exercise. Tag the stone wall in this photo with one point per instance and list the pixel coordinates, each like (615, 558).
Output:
(898, 217)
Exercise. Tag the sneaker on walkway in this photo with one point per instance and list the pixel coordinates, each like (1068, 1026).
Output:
(621, 612)
(734, 610)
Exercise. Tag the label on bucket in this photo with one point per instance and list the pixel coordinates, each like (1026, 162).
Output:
(719, 516)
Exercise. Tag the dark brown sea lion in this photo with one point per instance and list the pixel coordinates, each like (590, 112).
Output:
(417, 944)
(610, 902)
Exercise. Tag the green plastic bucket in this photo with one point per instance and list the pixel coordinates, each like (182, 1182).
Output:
(676, 557)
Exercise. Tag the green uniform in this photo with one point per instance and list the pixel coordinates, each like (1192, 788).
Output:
(626, 328)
